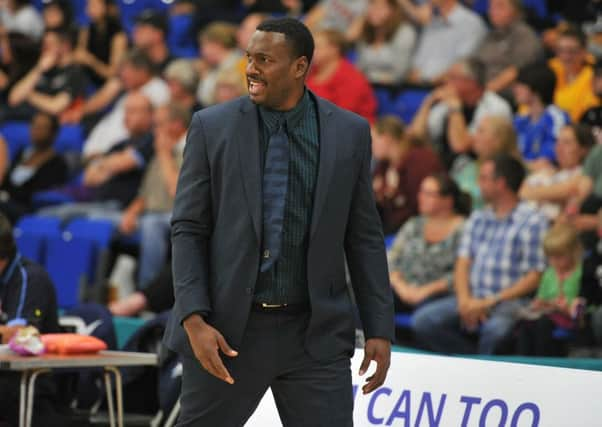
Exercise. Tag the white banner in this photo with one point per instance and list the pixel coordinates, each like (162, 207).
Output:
(437, 391)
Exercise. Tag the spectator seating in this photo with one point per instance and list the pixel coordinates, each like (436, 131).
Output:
(100, 234)
(69, 139)
(405, 104)
(31, 233)
(181, 38)
(16, 135)
(68, 262)
(403, 320)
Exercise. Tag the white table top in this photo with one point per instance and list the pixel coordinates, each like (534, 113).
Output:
(13, 362)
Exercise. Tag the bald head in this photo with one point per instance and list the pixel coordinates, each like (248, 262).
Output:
(138, 113)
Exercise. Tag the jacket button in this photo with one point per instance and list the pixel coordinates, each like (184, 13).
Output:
(249, 291)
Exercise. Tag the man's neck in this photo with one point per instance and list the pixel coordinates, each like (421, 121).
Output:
(504, 205)
(292, 101)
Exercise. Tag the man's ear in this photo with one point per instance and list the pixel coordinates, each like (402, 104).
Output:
(301, 67)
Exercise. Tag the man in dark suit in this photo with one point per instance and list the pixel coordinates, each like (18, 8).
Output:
(274, 193)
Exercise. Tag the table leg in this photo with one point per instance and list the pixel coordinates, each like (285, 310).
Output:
(108, 388)
(173, 415)
(23, 398)
(30, 394)
(119, 393)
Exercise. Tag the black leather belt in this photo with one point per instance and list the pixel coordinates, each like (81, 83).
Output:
(295, 308)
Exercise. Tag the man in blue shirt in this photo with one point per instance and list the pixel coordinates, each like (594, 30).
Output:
(538, 129)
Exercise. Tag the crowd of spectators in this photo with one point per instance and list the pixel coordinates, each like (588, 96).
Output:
(489, 185)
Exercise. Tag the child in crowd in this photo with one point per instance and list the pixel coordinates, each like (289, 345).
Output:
(558, 288)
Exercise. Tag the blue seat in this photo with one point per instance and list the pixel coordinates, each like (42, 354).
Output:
(70, 138)
(403, 320)
(407, 103)
(16, 135)
(181, 39)
(538, 7)
(100, 233)
(385, 104)
(389, 240)
(68, 262)
(562, 334)
(50, 198)
(31, 233)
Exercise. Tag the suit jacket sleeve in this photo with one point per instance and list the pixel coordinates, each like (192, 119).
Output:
(192, 225)
(366, 257)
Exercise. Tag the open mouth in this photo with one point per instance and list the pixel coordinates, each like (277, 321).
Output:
(255, 86)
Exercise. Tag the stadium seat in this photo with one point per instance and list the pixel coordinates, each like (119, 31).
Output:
(389, 240)
(383, 97)
(68, 262)
(562, 334)
(407, 103)
(50, 198)
(403, 320)
(31, 233)
(16, 135)
(70, 138)
(181, 38)
(100, 233)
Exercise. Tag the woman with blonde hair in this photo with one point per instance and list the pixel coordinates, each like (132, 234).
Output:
(558, 288)
(228, 86)
(494, 135)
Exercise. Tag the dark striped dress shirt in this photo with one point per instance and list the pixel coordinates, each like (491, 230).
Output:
(286, 282)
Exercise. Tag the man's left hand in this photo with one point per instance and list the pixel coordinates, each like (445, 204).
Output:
(379, 350)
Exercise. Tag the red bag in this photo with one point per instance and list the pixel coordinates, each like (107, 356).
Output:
(72, 344)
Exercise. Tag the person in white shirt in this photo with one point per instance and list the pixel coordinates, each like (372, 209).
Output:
(20, 16)
(136, 73)
(450, 114)
(453, 32)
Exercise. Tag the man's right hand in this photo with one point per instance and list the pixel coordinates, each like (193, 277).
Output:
(206, 341)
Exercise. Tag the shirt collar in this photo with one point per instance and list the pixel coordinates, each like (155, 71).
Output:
(272, 118)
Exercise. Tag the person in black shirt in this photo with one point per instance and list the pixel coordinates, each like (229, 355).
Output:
(150, 35)
(102, 44)
(54, 85)
(36, 167)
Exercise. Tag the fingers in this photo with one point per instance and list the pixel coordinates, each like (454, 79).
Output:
(218, 369)
(206, 347)
(378, 379)
(368, 356)
(224, 347)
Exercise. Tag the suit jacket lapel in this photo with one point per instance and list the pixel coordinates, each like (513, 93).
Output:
(326, 166)
(249, 156)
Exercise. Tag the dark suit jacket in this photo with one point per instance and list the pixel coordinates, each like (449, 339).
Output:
(216, 230)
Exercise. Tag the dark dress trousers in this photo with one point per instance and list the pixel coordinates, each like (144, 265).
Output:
(216, 238)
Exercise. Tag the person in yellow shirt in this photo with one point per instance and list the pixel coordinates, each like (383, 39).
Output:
(574, 73)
